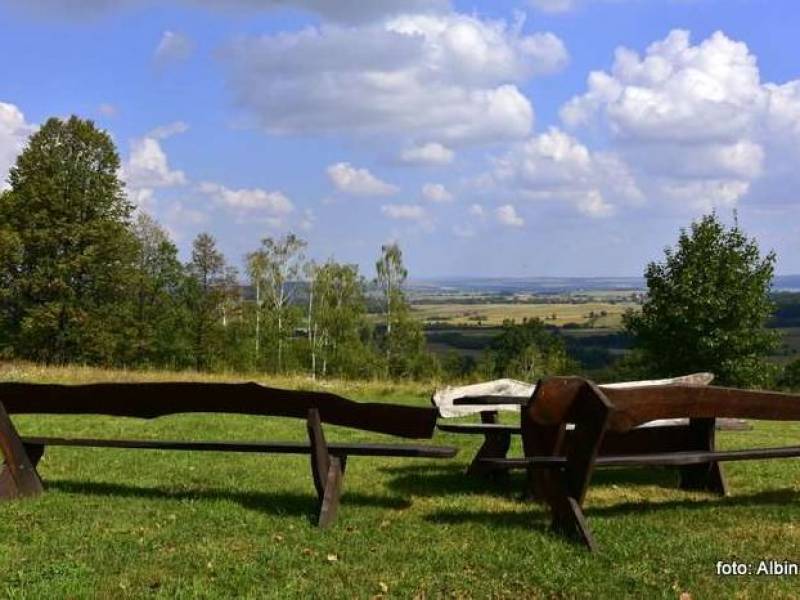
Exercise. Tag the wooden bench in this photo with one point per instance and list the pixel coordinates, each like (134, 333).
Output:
(19, 477)
(562, 464)
(663, 435)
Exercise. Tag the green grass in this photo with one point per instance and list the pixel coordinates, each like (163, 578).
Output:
(131, 524)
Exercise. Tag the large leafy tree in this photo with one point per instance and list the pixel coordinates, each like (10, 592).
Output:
(707, 306)
(66, 251)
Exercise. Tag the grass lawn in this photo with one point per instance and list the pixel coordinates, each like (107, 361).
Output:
(124, 523)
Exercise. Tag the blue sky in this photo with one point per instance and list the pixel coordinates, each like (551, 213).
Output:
(524, 138)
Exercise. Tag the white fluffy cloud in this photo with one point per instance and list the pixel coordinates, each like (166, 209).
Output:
(507, 215)
(446, 77)
(694, 122)
(431, 154)
(173, 47)
(358, 182)
(436, 192)
(408, 212)
(248, 199)
(556, 166)
(14, 132)
(147, 166)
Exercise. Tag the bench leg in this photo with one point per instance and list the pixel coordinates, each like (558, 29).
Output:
(708, 477)
(19, 478)
(327, 471)
(565, 490)
(495, 445)
(569, 521)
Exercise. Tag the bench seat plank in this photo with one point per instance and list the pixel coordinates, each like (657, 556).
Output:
(478, 428)
(355, 449)
(641, 460)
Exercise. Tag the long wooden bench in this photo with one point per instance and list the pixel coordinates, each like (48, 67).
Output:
(20, 478)
(562, 465)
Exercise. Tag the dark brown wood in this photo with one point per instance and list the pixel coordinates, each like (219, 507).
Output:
(320, 458)
(667, 459)
(150, 400)
(355, 449)
(496, 443)
(705, 477)
(603, 436)
(477, 428)
(590, 412)
(327, 470)
(19, 477)
(634, 406)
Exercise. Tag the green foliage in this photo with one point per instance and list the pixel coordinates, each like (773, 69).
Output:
(707, 307)
(160, 318)
(403, 340)
(338, 333)
(272, 270)
(526, 351)
(203, 294)
(789, 377)
(65, 248)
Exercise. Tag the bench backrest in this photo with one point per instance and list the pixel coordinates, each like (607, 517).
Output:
(633, 407)
(150, 400)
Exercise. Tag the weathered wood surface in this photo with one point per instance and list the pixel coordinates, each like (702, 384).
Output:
(561, 466)
(510, 394)
(151, 400)
(18, 477)
(636, 406)
(354, 449)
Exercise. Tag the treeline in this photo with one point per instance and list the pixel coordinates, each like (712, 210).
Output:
(85, 278)
(82, 280)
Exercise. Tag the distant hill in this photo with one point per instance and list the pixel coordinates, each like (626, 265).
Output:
(550, 285)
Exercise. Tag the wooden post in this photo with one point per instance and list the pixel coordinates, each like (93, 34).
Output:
(18, 478)
(707, 477)
(327, 471)
(495, 445)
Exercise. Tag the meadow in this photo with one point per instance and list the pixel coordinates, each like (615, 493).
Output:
(599, 314)
(133, 524)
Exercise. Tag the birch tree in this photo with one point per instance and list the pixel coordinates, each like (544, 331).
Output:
(283, 260)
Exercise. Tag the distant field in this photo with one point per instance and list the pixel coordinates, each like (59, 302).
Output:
(495, 314)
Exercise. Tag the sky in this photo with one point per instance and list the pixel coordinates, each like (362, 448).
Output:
(488, 138)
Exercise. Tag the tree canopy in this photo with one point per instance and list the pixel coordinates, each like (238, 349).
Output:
(707, 306)
(66, 250)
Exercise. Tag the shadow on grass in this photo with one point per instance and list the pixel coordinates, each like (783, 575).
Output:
(439, 480)
(538, 517)
(274, 503)
(435, 480)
